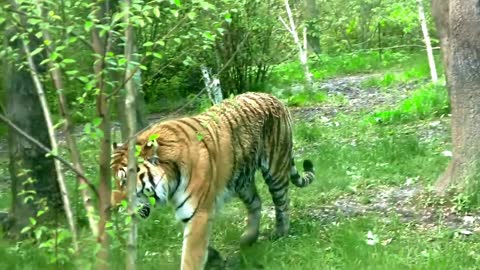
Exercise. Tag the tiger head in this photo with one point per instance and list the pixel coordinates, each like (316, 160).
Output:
(152, 186)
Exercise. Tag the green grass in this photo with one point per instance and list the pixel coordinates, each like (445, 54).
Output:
(349, 155)
(425, 102)
(409, 65)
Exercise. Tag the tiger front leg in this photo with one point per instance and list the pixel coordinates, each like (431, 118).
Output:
(195, 242)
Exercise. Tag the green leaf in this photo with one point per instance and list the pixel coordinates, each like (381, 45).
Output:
(192, 15)
(72, 72)
(178, 3)
(152, 201)
(87, 129)
(157, 55)
(228, 17)
(26, 229)
(153, 137)
(156, 12)
(36, 51)
(69, 61)
(97, 121)
(88, 25)
(32, 221)
(148, 44)
(40, 213)
(199, 137)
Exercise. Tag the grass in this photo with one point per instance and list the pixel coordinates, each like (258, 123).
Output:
(325, 66)
(348, 155)
(425, 102)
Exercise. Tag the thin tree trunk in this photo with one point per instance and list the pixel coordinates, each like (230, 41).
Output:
(212, 85)
(132, 128)
(53, 142)
(462, 55)
(71, 141)
(302, 49)
(428, 44)
(105, 188)
(141, 120)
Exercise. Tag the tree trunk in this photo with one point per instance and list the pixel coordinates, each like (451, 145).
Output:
(131, 117)
(141, 120)
(213, 87)
(103, 112)
(428, 44)
(311, 14)
(30, 170)
(462, 56)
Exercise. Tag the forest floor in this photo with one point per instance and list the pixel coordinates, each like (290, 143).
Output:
(401, 200)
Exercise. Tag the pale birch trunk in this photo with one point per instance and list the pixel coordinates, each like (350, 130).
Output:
(428, 44)
(302, 48)
(213, 87)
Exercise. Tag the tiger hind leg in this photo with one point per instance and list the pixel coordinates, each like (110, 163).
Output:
(249, 196)
(278, 188)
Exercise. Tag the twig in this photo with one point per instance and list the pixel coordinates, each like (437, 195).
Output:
(48, 151)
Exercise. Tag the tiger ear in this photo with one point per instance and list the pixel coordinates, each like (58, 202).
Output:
(116, 145)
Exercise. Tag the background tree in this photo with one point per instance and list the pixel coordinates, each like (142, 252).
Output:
(462, 56)
(34, 185)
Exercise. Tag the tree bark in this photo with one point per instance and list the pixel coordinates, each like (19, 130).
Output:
(461, 47)
(100, 46)
(428, 44)
(30, 170)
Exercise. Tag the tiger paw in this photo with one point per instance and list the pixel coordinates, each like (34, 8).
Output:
(278, 233)
(214, 260)
(248, 238)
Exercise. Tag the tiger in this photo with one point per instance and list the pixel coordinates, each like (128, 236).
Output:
(193, 162)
